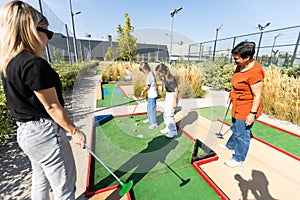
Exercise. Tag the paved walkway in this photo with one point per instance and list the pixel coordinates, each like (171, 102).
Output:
(276, 175)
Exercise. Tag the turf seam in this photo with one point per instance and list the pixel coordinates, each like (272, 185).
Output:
(168, 172)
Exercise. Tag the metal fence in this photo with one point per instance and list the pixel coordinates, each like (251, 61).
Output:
(61, 47)
(279, 47)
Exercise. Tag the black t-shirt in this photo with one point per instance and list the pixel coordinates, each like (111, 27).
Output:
(27, 73)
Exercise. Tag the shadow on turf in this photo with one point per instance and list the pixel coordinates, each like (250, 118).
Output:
(143, 162)
(188, 119)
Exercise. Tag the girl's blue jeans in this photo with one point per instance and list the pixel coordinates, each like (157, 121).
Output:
(151, 110)
(239, 141)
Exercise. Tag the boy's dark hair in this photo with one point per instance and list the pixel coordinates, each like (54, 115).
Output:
(244, 49)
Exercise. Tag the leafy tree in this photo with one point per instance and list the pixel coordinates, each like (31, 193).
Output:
(111, 53)
(126, 41)
(150, 57)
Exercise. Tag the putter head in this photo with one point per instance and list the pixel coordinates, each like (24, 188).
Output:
(184, 182)
(219, 135)
(125, 187)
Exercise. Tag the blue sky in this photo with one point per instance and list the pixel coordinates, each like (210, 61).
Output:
(197, 20)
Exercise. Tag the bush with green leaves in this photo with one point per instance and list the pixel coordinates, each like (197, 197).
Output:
(212, 75)
(293, 71)
(7, 123)
(67, 73)
(217, 74)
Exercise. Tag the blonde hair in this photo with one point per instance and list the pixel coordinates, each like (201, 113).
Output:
(18, 23)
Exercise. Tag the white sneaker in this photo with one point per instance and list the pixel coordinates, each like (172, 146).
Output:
(171, 134)
(146, 121)
(152, 126)
(233, 163)
(165, 130)
(223, 146)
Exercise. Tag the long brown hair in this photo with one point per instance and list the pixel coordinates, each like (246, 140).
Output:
(162, 68)
(145, 66)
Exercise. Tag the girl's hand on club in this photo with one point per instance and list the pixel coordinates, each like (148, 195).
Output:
(79, 138)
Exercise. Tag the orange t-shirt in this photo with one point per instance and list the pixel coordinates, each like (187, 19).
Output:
(241, 94)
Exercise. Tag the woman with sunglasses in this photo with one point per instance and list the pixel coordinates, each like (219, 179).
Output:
(34, 96)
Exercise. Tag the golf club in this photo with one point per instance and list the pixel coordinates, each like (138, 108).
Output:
(219, 134)
(125, 186)
(183, 182)
(137, 103)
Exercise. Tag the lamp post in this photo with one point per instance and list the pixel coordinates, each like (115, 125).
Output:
(274, 41)
(215, 45)
(272, 50)
(172, 13)
(88, 35)
(157, 55)
(68, 44)
(73, 27)
(47, 47)
(261, 28)
(168, 35)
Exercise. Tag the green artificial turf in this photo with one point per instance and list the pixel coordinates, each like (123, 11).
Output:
(185, 183)
(113, 98)
(215, 113)
(268, 134)
(155, 163)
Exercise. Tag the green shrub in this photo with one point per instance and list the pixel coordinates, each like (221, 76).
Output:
(7, 123)
(293, 71)
(212, 75)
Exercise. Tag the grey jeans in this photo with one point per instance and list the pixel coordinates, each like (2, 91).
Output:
(50, 153)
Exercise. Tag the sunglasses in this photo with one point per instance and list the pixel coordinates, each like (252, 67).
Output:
(47, 32)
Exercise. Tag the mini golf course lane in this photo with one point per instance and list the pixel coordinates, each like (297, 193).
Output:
(159, 167)
(113, 96)
(273, 136)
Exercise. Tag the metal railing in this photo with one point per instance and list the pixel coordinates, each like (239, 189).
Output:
(278, 46)
(61, 46)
